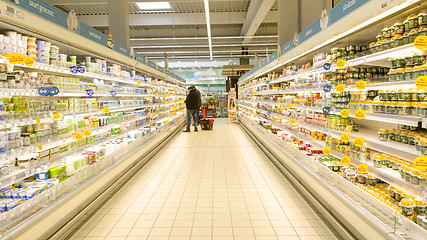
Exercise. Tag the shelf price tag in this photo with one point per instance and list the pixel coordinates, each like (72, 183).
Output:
(15, 58)
(340, 88)
(345, 160)
(288, 105)
(37, 120)
(345, 113)
(345, 137)
(421, 42)
(420, 161)
(78, 136)
(359, 141)
(341, 63)
(360, 114)
(421, 82)
(361, 84)
(362, 168)
(326, 151)
(106, 110)
(29, 61)
(87, 133)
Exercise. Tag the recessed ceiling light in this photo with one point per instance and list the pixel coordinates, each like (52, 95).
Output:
(195, 61)
(153, 5)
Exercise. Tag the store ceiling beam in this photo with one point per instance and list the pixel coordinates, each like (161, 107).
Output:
(178, 19)
(257, 12)
(199, 38)
(74, 2)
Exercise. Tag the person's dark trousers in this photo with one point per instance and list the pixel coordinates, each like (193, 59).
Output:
(192, 113)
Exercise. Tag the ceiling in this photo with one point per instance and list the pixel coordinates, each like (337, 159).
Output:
(240, 28)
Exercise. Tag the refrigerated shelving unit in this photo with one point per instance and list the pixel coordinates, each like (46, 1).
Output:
(141, 114)
(356, 213)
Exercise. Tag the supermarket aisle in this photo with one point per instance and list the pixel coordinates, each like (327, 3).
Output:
(207, 185)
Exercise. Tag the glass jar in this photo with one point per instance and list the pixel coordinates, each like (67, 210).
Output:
(401, 29)
(392, 134)
(422, 18)
(422, 31)
(412, 35)
(401, 95)
(407, 95)
(393, 95)
(413, 109)
(413, 21)
(411, 138)
(414, 94)
(383, 134)
(422, 109)
(400, 75)
(408, 73)
(404, 136)
(422, 95)
(406, 23)
(405, 38)
(400, 108)
(400, 62)
(398, 136)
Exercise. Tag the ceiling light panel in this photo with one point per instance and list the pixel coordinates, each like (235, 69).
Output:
(153, 5)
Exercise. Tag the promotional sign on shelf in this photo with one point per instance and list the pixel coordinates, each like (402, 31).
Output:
(89, 92)
(345, 137)
(75, 70)
(345, 160)
(359, 141)
(288, 105)
(327, 66)
(345, 113)
(360, 114)
(360, 85)
(29, 61)
(340, 88)
(421, 42)
(362, 168)
(327, 88)
(341, 63)
(293, 121)
(327, 151)
(113, 93)
(421, 82)
(420, 161)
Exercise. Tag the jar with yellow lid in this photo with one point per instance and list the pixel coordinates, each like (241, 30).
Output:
(422, 31)
(372, 47)
(404, 136)
(423, 176)
(423, 69)
(422, 18)
(416, 72)
(423, 146)
(392, 134)
(407, 28)
(393, 95)
(411, 138)
(382, 95)
(400, 74)
(408, 207)
(405, 38)
(400, 95)
(383, 134)
(413, 34)
(422, 109)
(372, 180)
(400, 108)
(417, 142)
(408, 73)
(419, 59)
(413, 109)
(398, 135)
(413, 21)
(415, 177)
(414, 94)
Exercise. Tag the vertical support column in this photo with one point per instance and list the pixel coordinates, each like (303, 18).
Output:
(118, 20)
(288, 20)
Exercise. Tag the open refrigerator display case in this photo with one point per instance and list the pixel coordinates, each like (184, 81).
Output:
(75, 116)
(344, 112)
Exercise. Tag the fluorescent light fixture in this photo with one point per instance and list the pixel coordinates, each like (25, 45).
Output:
(208, 26)
(153, 5)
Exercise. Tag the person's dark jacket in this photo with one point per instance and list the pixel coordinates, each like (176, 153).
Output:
(199, 99)
(192, 101)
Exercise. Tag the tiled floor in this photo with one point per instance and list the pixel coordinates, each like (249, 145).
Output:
(207, 185)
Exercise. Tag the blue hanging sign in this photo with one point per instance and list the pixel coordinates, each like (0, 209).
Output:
(326, 110)
(327, 88)
(89, 92)
(327, 66)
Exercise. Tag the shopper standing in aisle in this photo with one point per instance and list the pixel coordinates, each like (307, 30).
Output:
(199, 102)
(192, 104)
